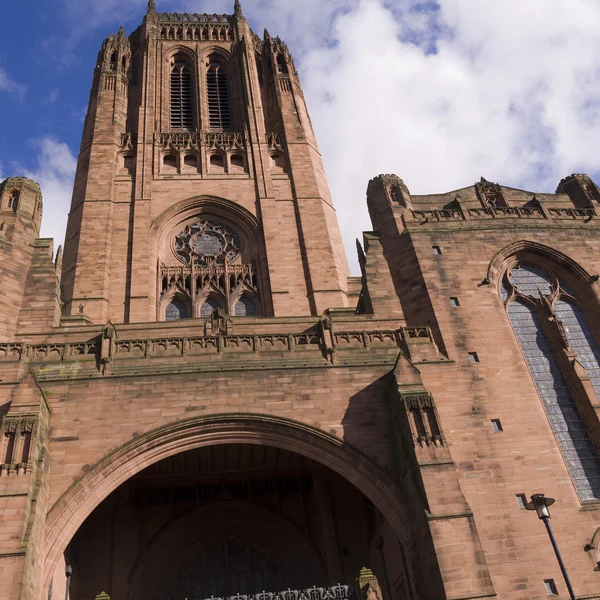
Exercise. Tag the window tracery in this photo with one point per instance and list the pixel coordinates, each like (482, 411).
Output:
(211, 274)
(206, 243)
(13, 200)
(544, 315)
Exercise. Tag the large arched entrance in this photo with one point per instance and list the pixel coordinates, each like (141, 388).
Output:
(228, 505)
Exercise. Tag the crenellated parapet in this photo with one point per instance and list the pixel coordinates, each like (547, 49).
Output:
(483, 204)
(196, 27)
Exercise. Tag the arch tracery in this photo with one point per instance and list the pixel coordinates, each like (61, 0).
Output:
(209, 252)
(553, 331)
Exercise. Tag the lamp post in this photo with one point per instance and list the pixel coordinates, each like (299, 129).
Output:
(541, 505)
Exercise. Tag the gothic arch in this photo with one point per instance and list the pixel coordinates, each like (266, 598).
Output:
(306, 438)
(213, 50)
(181, 49)
(199, 205)
(528, 251)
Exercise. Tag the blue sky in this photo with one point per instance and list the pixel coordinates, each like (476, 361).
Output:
(440, 93)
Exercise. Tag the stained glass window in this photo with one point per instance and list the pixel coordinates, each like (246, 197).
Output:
(581, 339)
(208, 308)
(176, 310)
(578, 450)
(530, 281)
(245, 308)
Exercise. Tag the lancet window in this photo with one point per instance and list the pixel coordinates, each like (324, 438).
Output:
(547, 320)
(210, 272)
(219, 114)
(182, 113)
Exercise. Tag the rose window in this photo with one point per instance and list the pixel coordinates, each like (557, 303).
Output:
(205, 243)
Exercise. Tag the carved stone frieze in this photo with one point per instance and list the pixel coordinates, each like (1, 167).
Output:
(225, 141)
(200, 27)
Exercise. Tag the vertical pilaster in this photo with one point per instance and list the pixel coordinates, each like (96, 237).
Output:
(325, 268)
(141, 295)
(88, 244)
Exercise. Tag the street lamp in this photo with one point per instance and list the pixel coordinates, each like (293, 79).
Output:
(541, 505)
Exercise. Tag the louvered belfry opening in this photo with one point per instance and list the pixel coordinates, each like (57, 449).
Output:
(182, 114)
(219, 114)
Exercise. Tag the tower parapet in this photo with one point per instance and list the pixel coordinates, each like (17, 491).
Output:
(584, 193)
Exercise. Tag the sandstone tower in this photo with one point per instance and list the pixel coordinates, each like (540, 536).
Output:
(198, 402)
(193, 116)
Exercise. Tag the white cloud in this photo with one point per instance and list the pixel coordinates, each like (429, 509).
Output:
(8, 85)
(439, 94)
(54, 171)
(512, 93)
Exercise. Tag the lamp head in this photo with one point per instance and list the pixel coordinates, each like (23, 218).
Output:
(597, 567)
(541, 505)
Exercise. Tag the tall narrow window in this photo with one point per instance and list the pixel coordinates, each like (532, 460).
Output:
(182, 114)
(10, 447)
(219, 115)
(13, 200)
(532, 291)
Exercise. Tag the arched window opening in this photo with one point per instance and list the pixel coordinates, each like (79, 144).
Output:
(581, 339)
(13, 200)
(213, 267)
(208, 308)
(237, 163)
(217, 163)
(532, 291)
(113, 61)
(219, 114)
(245, 307)
(123, 65)
(170, 163)
(182, 114)
(281, 66)
(190, 161)
(176, 310)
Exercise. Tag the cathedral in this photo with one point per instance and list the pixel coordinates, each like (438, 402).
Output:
(199, 402)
